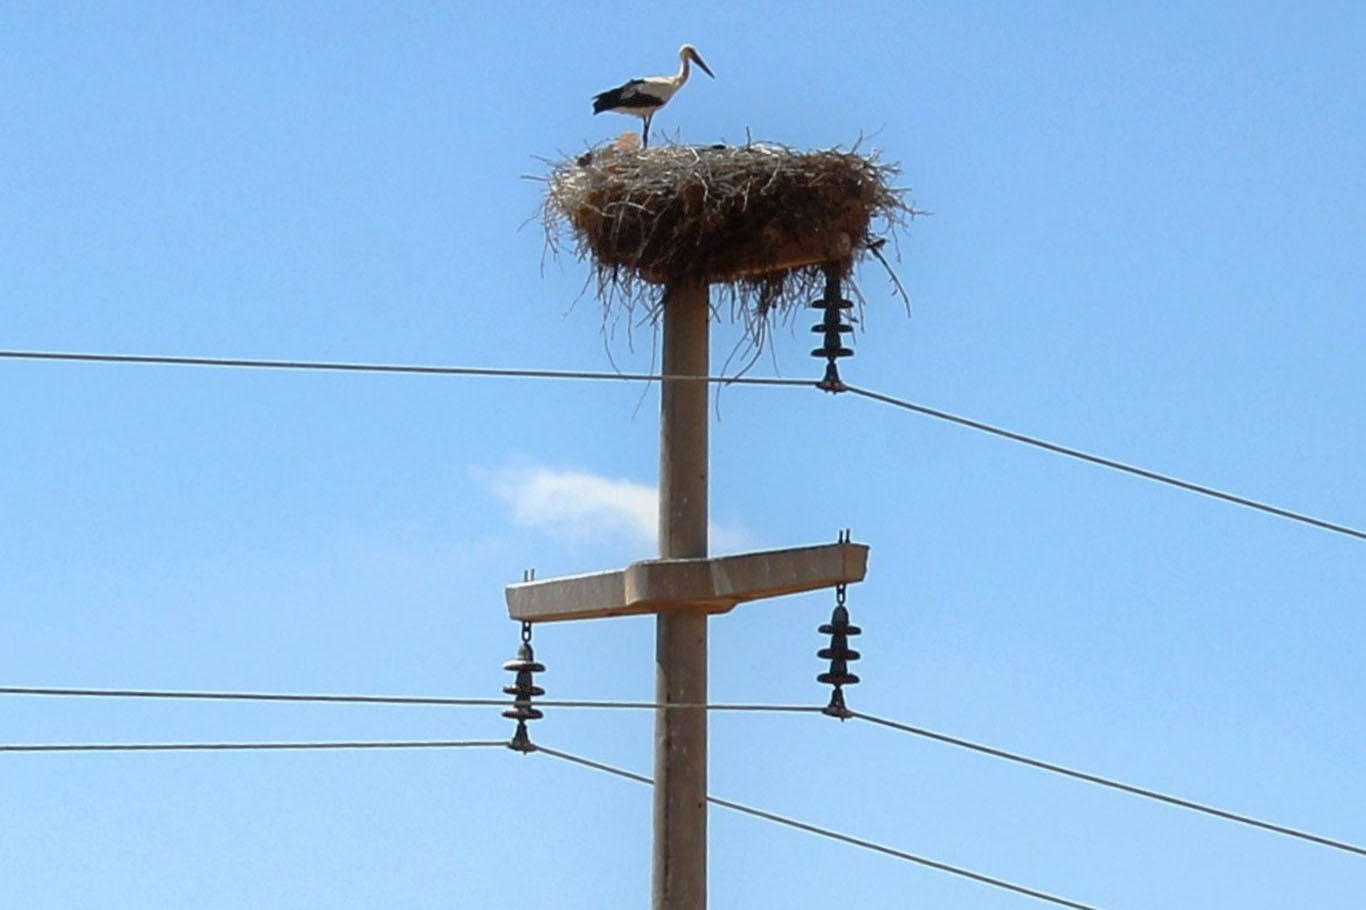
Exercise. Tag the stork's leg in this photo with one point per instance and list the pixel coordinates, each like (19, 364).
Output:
(645, 140)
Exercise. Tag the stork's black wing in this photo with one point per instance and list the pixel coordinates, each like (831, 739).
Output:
(626, 95)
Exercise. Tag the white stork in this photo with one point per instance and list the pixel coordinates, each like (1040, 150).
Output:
(642, 97)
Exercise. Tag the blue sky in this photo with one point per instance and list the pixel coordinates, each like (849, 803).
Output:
(1145, 242)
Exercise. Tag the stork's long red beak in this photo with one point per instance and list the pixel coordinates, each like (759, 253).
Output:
(697, 58)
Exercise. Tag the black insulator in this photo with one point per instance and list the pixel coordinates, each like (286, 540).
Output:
(831, 381)
(525, 660)
(840, 655)
(839, 623)
(838, 676)
(523, 690)
(832, 298)
(832, 327)
(523, 711)
(832, 306)
(837, 708)
(520, 741)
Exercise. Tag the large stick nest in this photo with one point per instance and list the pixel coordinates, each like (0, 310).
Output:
(765, 222)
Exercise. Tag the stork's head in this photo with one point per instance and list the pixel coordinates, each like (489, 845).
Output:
(688, 52)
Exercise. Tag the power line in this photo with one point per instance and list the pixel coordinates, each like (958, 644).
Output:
(250, 696)
(1113, 784)
(499, 372)
(826, 832)
(388, 699)
(651, 706)
(252, 747)
(401, 368)
(1109, 463)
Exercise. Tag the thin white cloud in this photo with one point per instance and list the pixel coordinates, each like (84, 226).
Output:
(580, 506)
(576, 504)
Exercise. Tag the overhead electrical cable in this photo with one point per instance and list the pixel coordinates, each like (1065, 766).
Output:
(945, 738)
(1108, 462)
(509, 373)
(253, 747)
(1113, 784)
(174, 694)
(829, 833)
(401, 368)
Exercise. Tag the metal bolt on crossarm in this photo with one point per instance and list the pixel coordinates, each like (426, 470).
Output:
(522, 691)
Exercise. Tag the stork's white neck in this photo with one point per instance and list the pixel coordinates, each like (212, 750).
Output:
(684, 68)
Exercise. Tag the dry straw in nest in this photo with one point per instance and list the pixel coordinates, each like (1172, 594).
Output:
(761, 220)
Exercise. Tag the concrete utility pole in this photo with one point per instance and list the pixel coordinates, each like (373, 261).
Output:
(680, 791)
(682, 588)
(684, 219)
